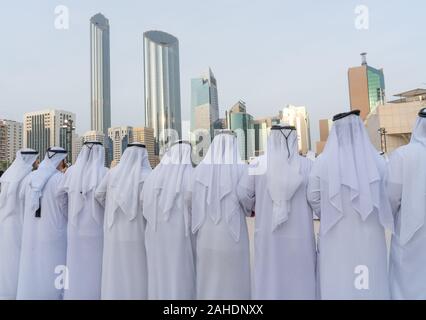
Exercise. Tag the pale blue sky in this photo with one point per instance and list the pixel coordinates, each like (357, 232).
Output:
(268, 53)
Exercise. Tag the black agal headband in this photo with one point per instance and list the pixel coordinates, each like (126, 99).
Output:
(422, 113)
(29, 152)
(346, 114)
(51, 152)
(140, 145)
(286, 136)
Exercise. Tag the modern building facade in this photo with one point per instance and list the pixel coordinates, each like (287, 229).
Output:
(94, 136)
(146, 136)
(46, 128)
(10, 140)
(366, 88)
(120, 137)
(298, 117)
(204, 103)
(390, 125)
(241, 122)
(77, 144)
(100, 74)
(162, 85)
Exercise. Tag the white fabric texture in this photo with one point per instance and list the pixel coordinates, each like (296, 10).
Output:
(352, 161)
(11, 221)
(279, 159)
(222, 247)
(284, 256)
(407, 191)
(169, 245)
(124, 266)
(43, 252)
(85, 223)
(347, 191)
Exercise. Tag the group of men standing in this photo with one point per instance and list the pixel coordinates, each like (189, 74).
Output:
(179, 232)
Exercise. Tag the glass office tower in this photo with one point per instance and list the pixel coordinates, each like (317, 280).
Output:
(162, 86)
(100, 74)
(204, 103)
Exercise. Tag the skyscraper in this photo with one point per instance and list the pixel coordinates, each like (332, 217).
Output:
(121, 137)
(204, 103)
(162, 85)
(77, 144)
(96, 136)
(298, 117)
(366, 87)
(242, 123)
(10, 140)
(44, 129)
(100, 74)
(146, 136)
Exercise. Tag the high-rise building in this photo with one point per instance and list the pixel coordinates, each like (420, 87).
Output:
(204, 103)
(298, 117)
(324, 130)
(146, 136)
(4, 161)
(261, 130)
(162, 85)
(46, 128)
(10, 140)
(100, 74)
(94, 136)
(120, 137)
(77, 144)
(366, 87)
(390, 125)
(241, 122)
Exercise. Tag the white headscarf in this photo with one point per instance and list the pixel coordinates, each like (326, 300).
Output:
(283, 171)
(413, 201)
(11, 179)
(352, 161)
(218, 173)
(84, 176)
(165, 184)
(47, 168)
(126, 178)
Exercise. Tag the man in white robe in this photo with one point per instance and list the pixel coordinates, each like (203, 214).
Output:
(168, 236)
(11, 220)
(124, 266)
(407, 192)
(222, 243)
(347, 191)
(275, 188)
(42, 269)
(85, 223)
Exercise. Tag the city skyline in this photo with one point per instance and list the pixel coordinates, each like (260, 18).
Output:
(325, 45)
